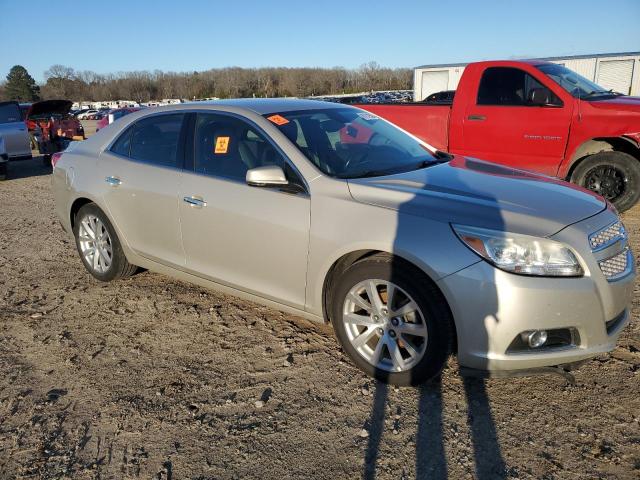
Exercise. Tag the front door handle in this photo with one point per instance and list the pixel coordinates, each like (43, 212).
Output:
(195, 202)
(477, 118)
(113, 181)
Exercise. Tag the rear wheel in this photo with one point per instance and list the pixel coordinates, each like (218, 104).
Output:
(392, 320)
(614, 175)
(99, 246)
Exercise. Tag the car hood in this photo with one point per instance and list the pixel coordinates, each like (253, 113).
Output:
(49, 107)
(473, 192)
(630, 104)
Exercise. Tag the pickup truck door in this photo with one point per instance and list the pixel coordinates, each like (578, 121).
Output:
(14, 130)
(516, 120)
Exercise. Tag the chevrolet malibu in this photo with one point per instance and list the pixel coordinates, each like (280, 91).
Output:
(329, 212)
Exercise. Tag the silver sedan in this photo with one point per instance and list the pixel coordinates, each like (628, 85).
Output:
(329, 212)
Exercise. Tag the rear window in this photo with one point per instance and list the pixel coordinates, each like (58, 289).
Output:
(10, 113)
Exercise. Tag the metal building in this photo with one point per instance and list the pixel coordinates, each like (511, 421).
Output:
(618, 71)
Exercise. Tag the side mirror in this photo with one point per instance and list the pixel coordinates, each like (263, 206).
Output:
(543, 97)
(267, 176)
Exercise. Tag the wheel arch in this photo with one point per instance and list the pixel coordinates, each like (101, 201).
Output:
(348, 259)
(601, 144)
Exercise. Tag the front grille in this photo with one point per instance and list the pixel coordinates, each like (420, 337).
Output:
(616, 266)
(607, 236)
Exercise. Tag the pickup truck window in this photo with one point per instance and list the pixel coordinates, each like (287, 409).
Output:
(352, 143)
(507, 86)
(575, 84)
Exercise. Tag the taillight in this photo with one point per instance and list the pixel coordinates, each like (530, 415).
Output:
(54, 158)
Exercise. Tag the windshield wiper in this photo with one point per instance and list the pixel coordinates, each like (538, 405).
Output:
(601, 92)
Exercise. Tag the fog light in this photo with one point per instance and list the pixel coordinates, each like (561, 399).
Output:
(536, 338)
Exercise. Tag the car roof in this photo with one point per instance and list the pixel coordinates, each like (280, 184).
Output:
(263, 106)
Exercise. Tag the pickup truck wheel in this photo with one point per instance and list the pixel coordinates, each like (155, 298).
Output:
(614, 175)
(392, 320)
(99, 246)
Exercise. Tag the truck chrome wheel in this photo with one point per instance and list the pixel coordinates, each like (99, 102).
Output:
(95, 243)
(385, 325)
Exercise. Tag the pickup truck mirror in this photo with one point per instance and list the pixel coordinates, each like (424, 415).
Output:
(543, 97)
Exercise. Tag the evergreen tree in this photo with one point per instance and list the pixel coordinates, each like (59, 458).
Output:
(20, 85)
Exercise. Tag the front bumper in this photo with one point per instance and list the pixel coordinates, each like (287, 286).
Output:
(492, 307)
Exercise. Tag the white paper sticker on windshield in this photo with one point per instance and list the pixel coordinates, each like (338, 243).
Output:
(367, 116)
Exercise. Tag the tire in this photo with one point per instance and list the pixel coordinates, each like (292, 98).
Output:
(432, 314)
(614, 175)
(118, 267)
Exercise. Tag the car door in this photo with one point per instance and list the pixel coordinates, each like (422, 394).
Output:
(251, 238)
(516, 120)
(14, 131)
(142, 172)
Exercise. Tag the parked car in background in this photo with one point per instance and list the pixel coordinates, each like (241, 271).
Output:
(13, 132)
(113, 115)
(445, 97)
(86, 114)
(537, 116)
(52, 127)
(332, 213)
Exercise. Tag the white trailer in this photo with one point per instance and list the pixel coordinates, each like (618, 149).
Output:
(617, 71)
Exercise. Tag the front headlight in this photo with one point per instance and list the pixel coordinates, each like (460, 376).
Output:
(521, 254)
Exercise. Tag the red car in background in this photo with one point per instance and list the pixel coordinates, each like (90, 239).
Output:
(52, 127)
(113, 115)
(537, 116)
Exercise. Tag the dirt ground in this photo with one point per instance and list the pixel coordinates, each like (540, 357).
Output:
(157, 379)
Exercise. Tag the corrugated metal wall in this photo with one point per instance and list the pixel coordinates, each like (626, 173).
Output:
(620, 73)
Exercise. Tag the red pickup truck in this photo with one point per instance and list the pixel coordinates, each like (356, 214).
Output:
(537, 116)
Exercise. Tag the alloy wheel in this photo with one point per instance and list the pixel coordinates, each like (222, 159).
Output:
(95, 243)
(384, 325)
(606, 180)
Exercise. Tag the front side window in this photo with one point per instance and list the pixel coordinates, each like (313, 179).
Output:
(575, 84)
(155, 140)
(351, 143)
(513, 87)
(9, 113)
(227, 147)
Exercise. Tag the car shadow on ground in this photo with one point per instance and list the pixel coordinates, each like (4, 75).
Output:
(34, 167)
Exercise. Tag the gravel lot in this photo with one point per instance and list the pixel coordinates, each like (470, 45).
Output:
(154, 378)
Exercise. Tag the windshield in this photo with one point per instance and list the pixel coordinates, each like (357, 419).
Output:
(575, 84)
(351, 143)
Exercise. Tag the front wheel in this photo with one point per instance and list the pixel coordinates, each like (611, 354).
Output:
(614, 175)
(99, 246)
(392, 320)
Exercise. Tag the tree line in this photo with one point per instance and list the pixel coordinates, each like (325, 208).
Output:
(230, 82)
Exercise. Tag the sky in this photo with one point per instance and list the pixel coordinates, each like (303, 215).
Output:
(109, 36)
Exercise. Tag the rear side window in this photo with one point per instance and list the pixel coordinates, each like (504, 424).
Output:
(512, 86)
(155, 140)
(9, 113)
(121, 147)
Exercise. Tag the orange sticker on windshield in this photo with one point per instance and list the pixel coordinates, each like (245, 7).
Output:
(222, 145)
(278, 119)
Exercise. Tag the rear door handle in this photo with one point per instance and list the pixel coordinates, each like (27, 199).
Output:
(113, 181)
(195, 202)
(477, 118)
